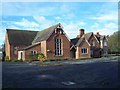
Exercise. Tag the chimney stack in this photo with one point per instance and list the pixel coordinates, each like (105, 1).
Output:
(97, 33)
(82, 31)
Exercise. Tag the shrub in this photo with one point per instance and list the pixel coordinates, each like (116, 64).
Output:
(33, 56)
(7, 58)
(41, 56)
(15, 60)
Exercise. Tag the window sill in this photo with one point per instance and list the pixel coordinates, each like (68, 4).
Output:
(84, 53)
(58, 55)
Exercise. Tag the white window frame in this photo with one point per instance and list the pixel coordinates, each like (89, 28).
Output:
(84, 50)
(93, 43)
(101, 42)
(58, 47)
(105, 43)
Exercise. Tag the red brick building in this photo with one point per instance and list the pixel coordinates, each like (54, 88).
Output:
(53, 43)
(87, 45)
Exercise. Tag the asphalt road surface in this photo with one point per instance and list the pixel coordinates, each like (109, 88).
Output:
(86, 75)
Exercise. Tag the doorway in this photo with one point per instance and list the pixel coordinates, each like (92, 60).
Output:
(20, 55)
(91, 53)
(73, 53)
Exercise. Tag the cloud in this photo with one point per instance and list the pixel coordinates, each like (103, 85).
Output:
(13, 27)
(82, 23)
(25, 23)
(107, 12)
(72, 28)
(2, 34)
(107, 29)
(37, 9)
(106, 17)
(27, 9)
(95, 26)
(43, 22)
(57, 18)
(59, 0)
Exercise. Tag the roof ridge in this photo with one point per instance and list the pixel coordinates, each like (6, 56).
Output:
(51, 26)
(24, 37)
(48, 31)
(88, 32)
(20, 30)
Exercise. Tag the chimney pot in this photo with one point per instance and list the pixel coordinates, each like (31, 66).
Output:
(97, 33)
(82, 31)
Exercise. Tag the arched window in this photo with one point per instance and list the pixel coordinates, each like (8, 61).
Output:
(58, 47)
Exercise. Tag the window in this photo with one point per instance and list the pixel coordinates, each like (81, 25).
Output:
(93, 43)
(105, 52)
(58, 47)
(33, 52)
(105, 43)
(15, 50)
(84, 50)
(101, 42)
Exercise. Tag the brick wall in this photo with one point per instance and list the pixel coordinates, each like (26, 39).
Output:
(7, 46)
(79, 54)
(96, 48)
(43, 48)
(34, 48)
(97, 44)
(50, 44)
(12, 55)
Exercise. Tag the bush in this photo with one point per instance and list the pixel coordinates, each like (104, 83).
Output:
(14, 60)
(41, 56)
(33, 56)
(7, 59)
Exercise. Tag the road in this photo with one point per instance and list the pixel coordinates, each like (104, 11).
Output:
(85, 75)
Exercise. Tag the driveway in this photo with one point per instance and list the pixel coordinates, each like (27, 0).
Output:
(103, 74)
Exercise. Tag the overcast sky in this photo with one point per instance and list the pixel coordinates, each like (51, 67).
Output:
(94, 17)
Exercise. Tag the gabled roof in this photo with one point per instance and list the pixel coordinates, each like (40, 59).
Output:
(29, 38)
(45, 34)
(21, 37)
(74, 40)
(30, 46)
(79, 41)
(87, 35)
(101, 37)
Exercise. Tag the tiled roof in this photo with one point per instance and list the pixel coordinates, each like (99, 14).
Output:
(27, 47)
(87, 35)
(101, 37)
(25, 37)
(79, 41)
(44, 34)
(21, 37)
(74, 40)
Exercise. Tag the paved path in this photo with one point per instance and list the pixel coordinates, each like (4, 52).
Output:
(64, 62)
(87, 75)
